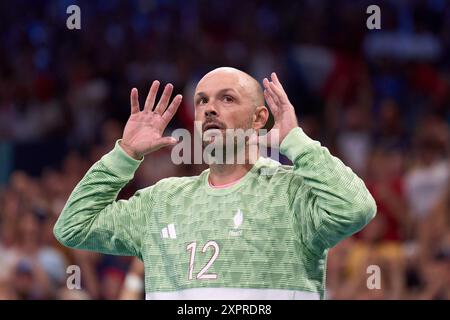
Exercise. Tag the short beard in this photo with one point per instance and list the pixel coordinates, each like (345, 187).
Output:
(232, 145)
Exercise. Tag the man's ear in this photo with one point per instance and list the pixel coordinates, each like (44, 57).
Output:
(260, 117)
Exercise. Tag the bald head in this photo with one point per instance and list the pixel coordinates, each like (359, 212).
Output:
(245, 82)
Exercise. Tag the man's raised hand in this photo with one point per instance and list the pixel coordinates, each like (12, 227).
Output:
(144, 129)
(283, 111)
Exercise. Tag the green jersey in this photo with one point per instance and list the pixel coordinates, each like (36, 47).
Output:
(265, 237)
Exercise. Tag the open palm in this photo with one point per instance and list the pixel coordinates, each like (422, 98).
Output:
(283, 112)
(282, 109)
(144, 130)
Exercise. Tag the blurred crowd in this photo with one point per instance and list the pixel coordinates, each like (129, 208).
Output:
(378, 99)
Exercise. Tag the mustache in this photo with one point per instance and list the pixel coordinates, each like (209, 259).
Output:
(213, 123)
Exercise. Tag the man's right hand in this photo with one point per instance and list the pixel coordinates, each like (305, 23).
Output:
(144, 129)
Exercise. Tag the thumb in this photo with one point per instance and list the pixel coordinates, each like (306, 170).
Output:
(167, 141)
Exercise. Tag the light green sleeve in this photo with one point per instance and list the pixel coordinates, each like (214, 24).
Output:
(329, 201)
(93, 219)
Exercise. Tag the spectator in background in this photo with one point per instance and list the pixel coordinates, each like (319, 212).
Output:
(430, 277)
(133, 287)
(389, 131)
(385, 182)
(426, 181)
(354, 140)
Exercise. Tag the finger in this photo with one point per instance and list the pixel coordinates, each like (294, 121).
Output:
(134, 101)
(167, 141)
(274, 87)
(269, 88)
(277, 92)
(165, 97)
(150, 101)
(266, 83)
(275, 79)
(278, 84)
(270, 101)
(172, 109)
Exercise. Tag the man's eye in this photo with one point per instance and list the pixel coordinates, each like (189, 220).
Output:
(228, 99)
(202, 101)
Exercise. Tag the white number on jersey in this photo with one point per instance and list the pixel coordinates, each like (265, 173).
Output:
(202, 275)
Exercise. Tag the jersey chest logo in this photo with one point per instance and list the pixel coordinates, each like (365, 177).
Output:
(169, 232)
(238, 219)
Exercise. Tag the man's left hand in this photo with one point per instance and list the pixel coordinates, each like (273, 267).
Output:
(283, 111)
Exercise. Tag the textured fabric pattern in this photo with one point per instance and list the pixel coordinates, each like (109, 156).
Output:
(270, 230)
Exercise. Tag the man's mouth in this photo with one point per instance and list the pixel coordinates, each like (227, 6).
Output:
(212, 125)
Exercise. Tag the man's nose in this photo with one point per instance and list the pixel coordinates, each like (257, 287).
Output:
(210, 110)
(209, 113)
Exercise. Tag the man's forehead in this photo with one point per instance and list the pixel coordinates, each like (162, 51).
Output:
(218, 80)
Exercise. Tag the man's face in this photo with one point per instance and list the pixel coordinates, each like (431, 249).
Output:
(223, 100)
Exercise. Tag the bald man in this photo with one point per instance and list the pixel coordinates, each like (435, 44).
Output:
(238, 230)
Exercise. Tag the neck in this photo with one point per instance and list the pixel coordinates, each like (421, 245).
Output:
(220, 174)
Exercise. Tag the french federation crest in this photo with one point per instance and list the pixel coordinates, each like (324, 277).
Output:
(238, 219)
